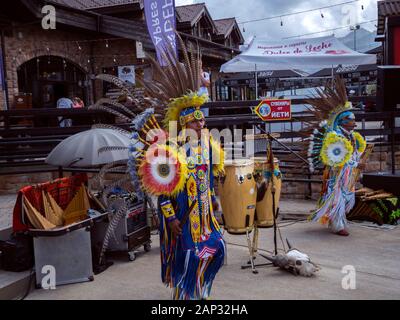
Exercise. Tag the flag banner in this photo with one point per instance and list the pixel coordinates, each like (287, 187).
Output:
(161, 24)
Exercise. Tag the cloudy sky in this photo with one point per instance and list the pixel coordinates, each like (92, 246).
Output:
(306, 24)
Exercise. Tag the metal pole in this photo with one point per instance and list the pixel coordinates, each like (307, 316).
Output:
(271, 163)
(255, 68)
(392, 140)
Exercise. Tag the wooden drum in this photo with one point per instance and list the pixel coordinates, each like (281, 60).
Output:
(238, 195)
(263, 173)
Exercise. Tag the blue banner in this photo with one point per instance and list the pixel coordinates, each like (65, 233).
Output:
(161, 24)
(1, 71)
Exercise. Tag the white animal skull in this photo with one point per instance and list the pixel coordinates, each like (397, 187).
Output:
(294, 261)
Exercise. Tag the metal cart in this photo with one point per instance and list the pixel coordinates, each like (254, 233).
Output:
(132, 231)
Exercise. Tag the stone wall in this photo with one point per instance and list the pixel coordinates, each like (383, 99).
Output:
(26, 43)
(12, 183)
(379, 161)
(2, 101)
(124, 53)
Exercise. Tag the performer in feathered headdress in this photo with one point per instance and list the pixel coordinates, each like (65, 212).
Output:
(336, 145)
(180, 172)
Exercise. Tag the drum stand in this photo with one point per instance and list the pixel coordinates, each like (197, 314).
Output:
(250, 263)
(254, 246)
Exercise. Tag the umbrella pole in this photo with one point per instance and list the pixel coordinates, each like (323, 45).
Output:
(60, 172)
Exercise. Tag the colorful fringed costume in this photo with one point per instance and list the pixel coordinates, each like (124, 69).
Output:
(191, 261)
(179, 171)
(339, 150)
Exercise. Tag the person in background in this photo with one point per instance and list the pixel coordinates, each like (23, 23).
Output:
(64, 103)
(204, 85)
(77, 103)
(335, 144)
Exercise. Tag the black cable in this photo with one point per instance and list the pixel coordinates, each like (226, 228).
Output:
(258, 249)
(299, 12)
(292, 223)
(327, 30)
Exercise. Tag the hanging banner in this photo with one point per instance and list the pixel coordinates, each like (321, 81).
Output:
(161, 24)
(274, 109)
(1, 71)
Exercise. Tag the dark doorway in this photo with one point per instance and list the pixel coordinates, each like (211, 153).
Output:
(49, 78)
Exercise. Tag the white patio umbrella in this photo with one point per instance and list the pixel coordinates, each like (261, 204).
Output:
(82, 149)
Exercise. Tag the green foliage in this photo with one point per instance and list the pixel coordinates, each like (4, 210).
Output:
(394, 216)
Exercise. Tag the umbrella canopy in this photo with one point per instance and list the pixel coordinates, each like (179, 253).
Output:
(321, 52)
(82, 149)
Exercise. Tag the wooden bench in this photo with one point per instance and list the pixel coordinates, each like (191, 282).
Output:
(28, 136)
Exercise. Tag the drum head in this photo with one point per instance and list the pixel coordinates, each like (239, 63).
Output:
(239, 163)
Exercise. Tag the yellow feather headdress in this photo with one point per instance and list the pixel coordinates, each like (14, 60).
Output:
(175, 107)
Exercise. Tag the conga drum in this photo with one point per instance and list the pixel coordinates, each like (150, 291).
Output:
(263, 173)
(238, 195)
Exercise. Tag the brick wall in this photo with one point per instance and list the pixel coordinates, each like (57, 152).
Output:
(124, 52)
(10, 184)
(2, 101)
(24, 44)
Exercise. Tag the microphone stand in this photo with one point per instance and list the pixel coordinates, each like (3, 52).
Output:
(273, 190)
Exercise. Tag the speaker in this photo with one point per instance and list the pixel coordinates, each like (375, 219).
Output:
(388, 84)
(16, 254)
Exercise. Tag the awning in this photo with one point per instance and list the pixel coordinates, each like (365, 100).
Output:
(302, 54)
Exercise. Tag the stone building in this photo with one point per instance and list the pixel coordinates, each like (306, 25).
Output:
(43, 65)
(90, 37)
